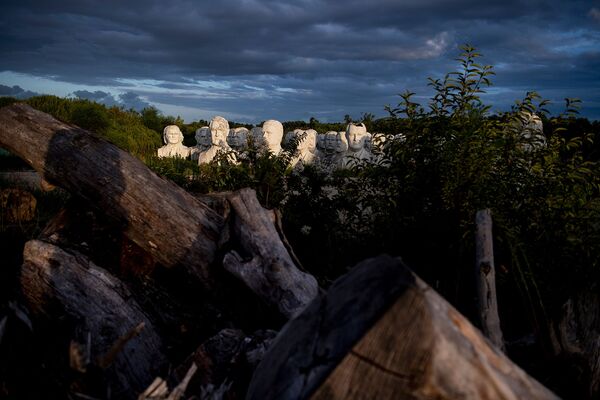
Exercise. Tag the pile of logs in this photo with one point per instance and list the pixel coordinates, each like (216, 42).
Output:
(158, 290)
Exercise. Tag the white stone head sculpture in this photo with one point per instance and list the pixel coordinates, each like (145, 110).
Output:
(172, 135)
(331, 142)
(306, 152)
(309, 142)
(210, 140)
(356, 136)
(238, 138)
(287, 138)
(219, 129)
(321, 141)
(256, 136)
(369, 143)
(173, 147)
(531, 129)
(272, 135)
(203, 137)
(342, 142)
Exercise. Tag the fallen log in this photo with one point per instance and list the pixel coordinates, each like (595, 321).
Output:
(182, 314)
(156, 214)
(161, 218)
(98, 304)
(382, 333)
(264, 264)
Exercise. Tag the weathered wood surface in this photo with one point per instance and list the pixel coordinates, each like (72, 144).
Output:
(261, 259)
(98, 303)
(161, 218)
(156, 214)
(226, 362)
(485, 272)
(382, 333)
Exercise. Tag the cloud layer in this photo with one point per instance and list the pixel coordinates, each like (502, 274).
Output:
(260, 59)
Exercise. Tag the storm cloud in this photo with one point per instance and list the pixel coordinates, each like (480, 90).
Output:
(16, 91)
(260, 59)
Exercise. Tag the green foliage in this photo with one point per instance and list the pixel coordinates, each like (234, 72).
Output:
(457, 159)
(126, 129)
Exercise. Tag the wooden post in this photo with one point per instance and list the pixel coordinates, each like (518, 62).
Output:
(486, 279)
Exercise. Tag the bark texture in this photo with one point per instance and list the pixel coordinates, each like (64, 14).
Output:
(262, 261)
(171, 225)
(59, 284)
(382, 333)
(156, 214)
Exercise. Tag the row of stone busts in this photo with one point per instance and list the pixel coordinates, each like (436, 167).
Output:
(331, 149)
(218, 137)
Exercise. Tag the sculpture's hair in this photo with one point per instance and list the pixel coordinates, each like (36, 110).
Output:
(356, 128)
(169, 128)
(219, 123)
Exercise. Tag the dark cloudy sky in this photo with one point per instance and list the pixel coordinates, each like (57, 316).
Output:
(253, 60)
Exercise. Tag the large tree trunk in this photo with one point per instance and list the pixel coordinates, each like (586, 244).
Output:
(160, 217)
(382, 333)
(156, 214)
(68, 285)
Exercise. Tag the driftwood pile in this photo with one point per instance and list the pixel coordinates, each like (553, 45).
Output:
(168, 295)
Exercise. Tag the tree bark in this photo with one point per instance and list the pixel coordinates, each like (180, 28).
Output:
(486, 279)
(58, 283)
(156, 214)
(382, 333)
(262, 263)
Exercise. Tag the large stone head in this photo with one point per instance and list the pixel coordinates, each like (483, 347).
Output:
(309, 141)
(172, 135)
(321, 141)
(369, 142)
(287, 138)
(256, 135)
(356, 136)
(342, 142)
(219, 129)
(204, 137)
(238, 138)
(534, 124)
(272, 134)
(330, 142)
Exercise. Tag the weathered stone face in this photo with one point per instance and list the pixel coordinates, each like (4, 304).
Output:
(238, 138)
(172, 135)
(356, 136)
(272, 135)
(219, 128)
(173, 147)
(204, 136)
